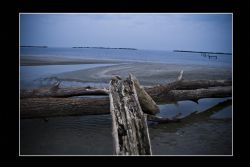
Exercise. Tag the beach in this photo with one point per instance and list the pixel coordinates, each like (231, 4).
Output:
(147, 73)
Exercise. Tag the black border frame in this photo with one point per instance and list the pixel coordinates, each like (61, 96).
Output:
(109, 6)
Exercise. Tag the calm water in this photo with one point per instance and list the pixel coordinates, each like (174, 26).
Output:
(91, 135)
(136, 55)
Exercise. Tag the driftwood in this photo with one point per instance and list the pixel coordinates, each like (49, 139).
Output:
(42, 107)
(130, 131)
(160, 119)
(156, 92)
(51, 107)
(194, 95)
(39, 103)
(55, 91)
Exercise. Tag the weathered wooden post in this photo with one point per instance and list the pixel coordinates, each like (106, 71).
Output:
(130, 130)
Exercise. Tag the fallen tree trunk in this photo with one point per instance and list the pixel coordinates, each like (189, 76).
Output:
(47, 107)
(193, 95)
(181, 84)
(55, 91)
(198, 84)
(130, 131)
(51, 107)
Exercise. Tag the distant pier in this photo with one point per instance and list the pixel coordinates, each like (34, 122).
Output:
(205, 54)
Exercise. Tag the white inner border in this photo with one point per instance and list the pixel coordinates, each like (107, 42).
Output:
(128, 14)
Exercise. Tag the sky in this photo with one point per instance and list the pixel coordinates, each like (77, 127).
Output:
(198, 32)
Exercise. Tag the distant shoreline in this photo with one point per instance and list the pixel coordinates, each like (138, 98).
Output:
(34, 46)
(103, 47)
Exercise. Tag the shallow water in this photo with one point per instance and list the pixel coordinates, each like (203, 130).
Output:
(135, 55)
(186, 107)
(91, 135)
(33, 76)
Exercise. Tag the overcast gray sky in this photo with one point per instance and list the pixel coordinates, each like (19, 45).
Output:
(201, 32)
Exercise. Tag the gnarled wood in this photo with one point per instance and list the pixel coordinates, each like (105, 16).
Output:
(130, 131)
(147, 103)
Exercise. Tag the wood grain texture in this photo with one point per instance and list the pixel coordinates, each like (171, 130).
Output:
(130, 131)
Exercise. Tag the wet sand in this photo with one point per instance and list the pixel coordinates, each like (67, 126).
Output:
(148, 73)
(38, 61)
